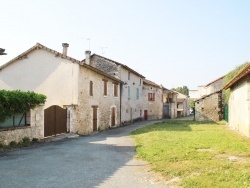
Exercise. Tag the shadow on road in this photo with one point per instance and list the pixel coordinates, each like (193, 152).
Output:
(81, 162)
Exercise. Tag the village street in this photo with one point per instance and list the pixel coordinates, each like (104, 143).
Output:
(100, 160)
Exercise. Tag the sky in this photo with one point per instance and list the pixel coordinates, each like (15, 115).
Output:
(173, 43)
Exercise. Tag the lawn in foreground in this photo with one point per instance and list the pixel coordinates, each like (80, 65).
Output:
(200, 154)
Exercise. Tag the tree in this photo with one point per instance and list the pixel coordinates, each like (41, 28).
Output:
(184, 90)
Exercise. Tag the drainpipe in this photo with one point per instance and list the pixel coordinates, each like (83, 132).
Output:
(121, 84)
(194, 111)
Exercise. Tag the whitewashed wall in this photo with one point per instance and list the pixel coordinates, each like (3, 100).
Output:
(44, 73)
(239, 114)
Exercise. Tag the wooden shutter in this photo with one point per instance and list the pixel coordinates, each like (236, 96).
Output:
(91, 88)
(115, 89)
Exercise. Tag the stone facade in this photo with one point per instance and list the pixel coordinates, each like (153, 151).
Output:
(131, 90)
(35, 130)
(152, 97)
(104, 103)
(209, 108)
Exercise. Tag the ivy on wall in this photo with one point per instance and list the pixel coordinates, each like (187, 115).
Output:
(17, 101)
(228, 77)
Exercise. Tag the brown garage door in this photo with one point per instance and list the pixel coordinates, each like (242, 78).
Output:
(55, 121)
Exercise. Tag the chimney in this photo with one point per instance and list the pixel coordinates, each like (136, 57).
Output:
(87, 57)
(65, 49)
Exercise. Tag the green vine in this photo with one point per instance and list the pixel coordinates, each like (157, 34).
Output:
(228, 77)
(12, 102)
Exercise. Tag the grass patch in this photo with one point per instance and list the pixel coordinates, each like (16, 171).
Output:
(202, 154)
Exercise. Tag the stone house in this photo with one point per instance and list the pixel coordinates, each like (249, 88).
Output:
(209, 107)
(183, 107)
(89, 97)
(169, 103)
(152, 97)
(131, 90)
(239, 103)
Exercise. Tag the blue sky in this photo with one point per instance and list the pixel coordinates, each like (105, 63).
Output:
(173, 43)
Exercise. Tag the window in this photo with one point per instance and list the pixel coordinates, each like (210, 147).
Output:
(91, 88)
(105, 87)
(115, 89)
(128, 93)
(128, 75)
(151, 96)
(140, 81)
(137, 93)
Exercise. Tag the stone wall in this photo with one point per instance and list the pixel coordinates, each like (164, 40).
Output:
(209, 108)
(35, 130)
(82, 114)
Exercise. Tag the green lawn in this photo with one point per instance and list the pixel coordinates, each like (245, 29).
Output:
(200, 154)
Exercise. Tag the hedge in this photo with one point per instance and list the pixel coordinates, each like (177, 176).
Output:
(17, 101)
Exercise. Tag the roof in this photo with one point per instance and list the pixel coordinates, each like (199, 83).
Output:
(238, 76)
(148, 82)
(215, 81)
(180, 100)
(125, 66)
(204, 96)
(165, 90)
(58, 54)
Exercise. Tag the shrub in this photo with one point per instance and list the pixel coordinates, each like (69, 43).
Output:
(26, 141)
(13, 144)
(35, 139)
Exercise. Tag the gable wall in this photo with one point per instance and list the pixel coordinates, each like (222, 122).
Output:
(44, 73)
(239, 107)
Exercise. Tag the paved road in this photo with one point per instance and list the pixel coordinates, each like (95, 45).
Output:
(101, 160)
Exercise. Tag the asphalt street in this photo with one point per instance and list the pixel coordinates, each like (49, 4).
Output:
(105, 159)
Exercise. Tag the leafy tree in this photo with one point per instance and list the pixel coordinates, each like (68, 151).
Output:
(184, 90)
(228, 77)
(12, 102)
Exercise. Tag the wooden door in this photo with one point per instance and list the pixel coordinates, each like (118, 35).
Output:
(55, 121)
(145, 115)
(94, 118)
(113, 117)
